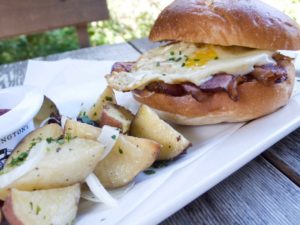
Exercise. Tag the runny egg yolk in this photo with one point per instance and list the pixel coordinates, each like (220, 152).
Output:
(202, 56)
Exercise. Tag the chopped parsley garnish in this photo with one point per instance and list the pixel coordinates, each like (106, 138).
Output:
(178, 59)
(171, 59)
(180, 52)
(20, 158)
(216, 57)
(95, 114)
(149, 172)
(183, 65)
(31, 205)
(68, 137)
(121, 151)
(157, 63)
(172, 53)
(114, 137)
(108, 98)
(49, 139)
(196, 60)
(38, 209)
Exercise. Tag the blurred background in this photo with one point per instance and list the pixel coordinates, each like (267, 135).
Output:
(129, 19)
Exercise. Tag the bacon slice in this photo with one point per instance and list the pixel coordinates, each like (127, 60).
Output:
(218, 82)
(122, 67)
(267, 74)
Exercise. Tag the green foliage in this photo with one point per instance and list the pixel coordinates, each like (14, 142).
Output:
(31, 46)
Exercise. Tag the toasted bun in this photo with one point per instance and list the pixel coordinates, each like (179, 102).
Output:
(249, 23)
(255, 100)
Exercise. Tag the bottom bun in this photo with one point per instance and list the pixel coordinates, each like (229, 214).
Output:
(255, 100)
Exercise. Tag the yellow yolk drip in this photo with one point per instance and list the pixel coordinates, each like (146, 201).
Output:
(202, 56)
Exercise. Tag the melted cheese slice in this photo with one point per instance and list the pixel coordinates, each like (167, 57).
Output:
(187, 62)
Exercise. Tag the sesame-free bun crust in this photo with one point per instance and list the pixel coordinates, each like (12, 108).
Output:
(249, 23)
(255, 100)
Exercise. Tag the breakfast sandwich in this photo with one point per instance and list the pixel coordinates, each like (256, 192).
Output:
(219, 63)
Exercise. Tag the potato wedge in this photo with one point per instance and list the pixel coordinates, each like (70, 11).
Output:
(129, 157)
(53, 131)
(65, 164)
(147, 124)
(81, 130)
(116, 116)
(48, 108)
(44, 207)
(95, 111)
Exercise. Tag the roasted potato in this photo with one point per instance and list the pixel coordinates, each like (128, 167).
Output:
(147, 124)
(116, 116)
(44, 207)
(66, 162)
(82, 130)
(129, 156)
(48, 108)
(107, 96)
(53, 131)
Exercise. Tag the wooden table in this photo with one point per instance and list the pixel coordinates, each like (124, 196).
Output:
(265, 191)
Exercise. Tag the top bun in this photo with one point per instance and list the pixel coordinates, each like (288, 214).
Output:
(249, 23)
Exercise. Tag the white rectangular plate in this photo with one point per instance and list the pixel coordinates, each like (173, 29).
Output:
(217, 151)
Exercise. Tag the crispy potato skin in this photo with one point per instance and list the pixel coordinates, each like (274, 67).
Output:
(116, 116)
(9, 212)
(52, 206)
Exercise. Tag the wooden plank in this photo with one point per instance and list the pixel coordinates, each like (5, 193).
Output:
(285, 156)
(256, 194)
(32, 16)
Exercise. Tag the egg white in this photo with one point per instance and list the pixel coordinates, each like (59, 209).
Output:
(174, 64)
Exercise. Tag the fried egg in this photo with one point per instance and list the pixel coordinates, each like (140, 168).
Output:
(188, 62)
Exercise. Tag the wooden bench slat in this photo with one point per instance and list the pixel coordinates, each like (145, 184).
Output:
(285, 156)
(256, 194)
(33, 16)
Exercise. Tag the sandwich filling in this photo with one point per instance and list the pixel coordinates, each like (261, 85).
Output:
(185, 68)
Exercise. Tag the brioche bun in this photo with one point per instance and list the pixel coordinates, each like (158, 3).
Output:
(255, 100)
(250, 23)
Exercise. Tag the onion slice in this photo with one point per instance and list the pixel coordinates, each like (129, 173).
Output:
(63, 121)
(99, 191)
(115, 193)
(108, 138)
(36, 154)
